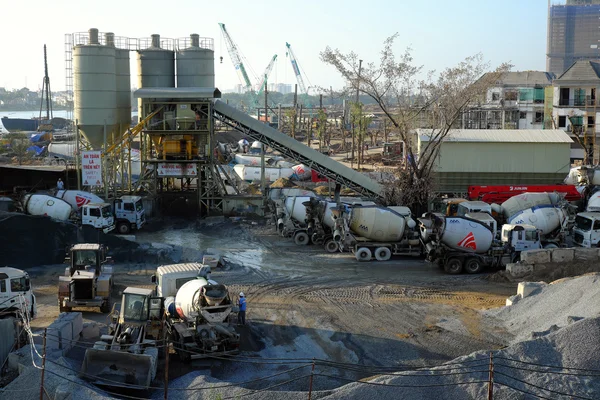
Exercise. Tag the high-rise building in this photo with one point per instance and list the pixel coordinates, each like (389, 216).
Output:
(573, 34)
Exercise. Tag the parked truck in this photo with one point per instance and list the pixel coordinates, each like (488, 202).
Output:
(199, 311)
(128, 354)
(458, 244)
(88, 278)
(377, 232)
(128, 211)
(97, 215)
(16, 294)
(586, 232)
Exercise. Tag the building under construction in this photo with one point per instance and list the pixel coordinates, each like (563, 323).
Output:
(573, 34)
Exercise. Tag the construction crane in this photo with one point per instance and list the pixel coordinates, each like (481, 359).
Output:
(46, 124)
(296, 69)
(265, 75)
(236, 59)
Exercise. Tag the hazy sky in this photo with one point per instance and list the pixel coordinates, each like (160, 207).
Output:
(441, 32)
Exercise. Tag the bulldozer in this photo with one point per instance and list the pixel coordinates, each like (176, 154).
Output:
(88, 278)
(128, 354)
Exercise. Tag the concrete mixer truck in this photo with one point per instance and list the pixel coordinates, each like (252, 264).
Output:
(376, 232)
(199, 312)
(458, 244)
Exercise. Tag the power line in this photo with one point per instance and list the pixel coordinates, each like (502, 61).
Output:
(267, 388)
(523, 391)
(405, 386)
(542, 371)
(541, 388)
(545, 365)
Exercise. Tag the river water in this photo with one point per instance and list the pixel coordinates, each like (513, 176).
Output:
(36, 114)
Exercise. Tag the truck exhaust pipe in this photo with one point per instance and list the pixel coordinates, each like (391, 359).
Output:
(337, 235)
(280, 224)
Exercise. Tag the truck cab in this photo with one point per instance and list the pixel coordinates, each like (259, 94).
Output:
(586, 232)
(466, 207)
(15, 292)
(99, 216)
(521, 237)
(87, 281)
(129, 213)
(169, 278)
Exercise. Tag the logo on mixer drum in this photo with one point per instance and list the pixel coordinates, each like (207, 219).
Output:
(468, 242)
(81, 201)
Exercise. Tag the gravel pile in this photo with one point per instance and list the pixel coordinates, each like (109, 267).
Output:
(555, 304)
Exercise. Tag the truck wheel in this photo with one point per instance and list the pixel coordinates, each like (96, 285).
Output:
(63, 308)
(383, 254)
(331, 246)
(105, 307)
(473, 266)
(363, 254)
(551, 246)
(123, 228)
(454, 266)
(301, 238)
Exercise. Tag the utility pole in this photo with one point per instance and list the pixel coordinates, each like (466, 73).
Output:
(295, 110)
(353, 122)
(262, 152)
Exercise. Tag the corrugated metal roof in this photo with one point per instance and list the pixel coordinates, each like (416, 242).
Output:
(185, 267)
(501, 135)
(177, 93)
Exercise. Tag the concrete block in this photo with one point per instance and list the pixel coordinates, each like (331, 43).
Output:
(562, 255)
(585, 254)
(535, 256)
(525, 289)
(76, 320)
(513, 299)
(60, 336)
(519, 269)
(90, 330)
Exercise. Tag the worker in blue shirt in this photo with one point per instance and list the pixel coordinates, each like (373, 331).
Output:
(242, 312)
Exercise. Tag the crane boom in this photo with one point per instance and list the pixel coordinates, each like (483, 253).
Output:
(236, 59)
(266, 74)
(296, 69)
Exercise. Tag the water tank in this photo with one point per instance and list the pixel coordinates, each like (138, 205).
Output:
(95, 88)
(123, 78)
(156, 67)
(195, 65)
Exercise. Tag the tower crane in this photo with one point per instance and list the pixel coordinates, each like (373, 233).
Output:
(296, 69)
(265, 75)
(236, 59)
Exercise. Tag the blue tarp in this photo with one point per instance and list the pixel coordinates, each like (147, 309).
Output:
(37, 137)
(36, 149)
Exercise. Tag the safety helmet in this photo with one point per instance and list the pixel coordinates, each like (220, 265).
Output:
(241, 294)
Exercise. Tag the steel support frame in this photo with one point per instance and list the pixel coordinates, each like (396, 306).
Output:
(293, 155)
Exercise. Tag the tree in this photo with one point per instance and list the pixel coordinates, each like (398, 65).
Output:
(19, 143)
(407, 103)
(321, 127)
(290, 114)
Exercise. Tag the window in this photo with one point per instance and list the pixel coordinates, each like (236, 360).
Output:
(539, 117)
(85, 257)
(139, 206)
(522, 114)
(495, 96)
(19, 284)
(590, 121)
(597, 225)
(3, 285)
(520, 235)
(94, 212)
(128, 206)
(106, 212)
(538, 95)
(531, 235)
(181, 281)
(562, 121)
(511, 95)
(136, 307)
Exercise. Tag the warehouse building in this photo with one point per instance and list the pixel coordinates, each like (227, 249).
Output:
(498, 157)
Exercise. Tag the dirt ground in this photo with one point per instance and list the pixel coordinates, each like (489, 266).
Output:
(305, 303)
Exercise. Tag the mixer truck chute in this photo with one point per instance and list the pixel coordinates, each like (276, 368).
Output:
(128, 354)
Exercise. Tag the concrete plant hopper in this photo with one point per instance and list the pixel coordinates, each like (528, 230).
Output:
(290, 147)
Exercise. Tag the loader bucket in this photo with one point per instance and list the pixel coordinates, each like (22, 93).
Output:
(106, 367)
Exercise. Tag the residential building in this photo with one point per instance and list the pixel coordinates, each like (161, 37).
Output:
(573, 33)
(576, 107)
(515, 101)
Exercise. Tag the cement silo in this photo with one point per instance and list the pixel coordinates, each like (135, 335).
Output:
(156, 67)
(95, 87)
(123, 74)
(196, 64)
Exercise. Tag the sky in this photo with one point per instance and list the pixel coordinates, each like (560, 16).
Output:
(440, 32)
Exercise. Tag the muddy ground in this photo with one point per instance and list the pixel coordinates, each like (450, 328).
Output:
(305, 303)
